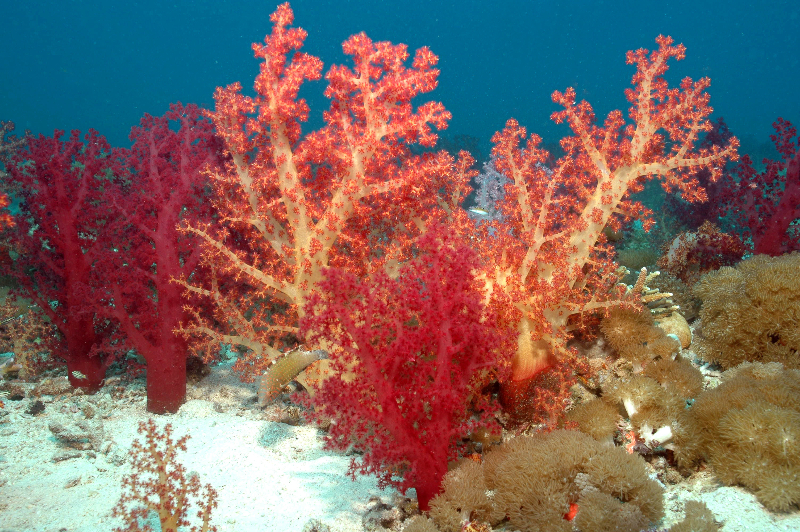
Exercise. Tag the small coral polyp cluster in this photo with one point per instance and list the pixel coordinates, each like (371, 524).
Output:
(634, 336)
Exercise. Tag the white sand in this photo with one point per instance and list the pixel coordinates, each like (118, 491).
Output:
(270, 476)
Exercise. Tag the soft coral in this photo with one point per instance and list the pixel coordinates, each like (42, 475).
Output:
(160, 484)
(409, 355)
(767, 203)
(61, 234)
(167, 165)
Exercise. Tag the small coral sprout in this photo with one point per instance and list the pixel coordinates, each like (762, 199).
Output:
(160, 484)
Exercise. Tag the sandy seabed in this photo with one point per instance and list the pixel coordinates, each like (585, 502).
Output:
(270, 476)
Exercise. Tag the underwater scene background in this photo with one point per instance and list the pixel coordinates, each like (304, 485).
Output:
(413, 267)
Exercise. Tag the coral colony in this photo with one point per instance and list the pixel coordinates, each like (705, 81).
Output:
(489, 355)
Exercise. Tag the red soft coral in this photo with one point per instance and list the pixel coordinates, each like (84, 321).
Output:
(409, 357)
(767, 203)
(146, 251)
(61, 235)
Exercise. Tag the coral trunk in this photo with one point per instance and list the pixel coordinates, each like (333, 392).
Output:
(84, 369)
(91, 367)
(166, 379)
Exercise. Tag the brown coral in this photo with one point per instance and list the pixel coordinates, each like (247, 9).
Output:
(748, 435)
(650, 406)
(751, 312)
(679, 374)
(420, 523)
(698, 519)
(633, 335)
(464, 498)
(601, 512)
(596, 418)
(531, 482)
(654, 399)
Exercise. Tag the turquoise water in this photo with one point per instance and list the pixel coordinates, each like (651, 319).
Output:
(104, 64)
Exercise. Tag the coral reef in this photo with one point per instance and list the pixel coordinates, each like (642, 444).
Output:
(751, 312)
(661, 382)
(679, 374)
(748, 430)
(62, 179)
(165, 178)
(650, 407)
(348, 238)
(658, 302)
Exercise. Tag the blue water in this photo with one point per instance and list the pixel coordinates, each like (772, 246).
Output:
(72, 64)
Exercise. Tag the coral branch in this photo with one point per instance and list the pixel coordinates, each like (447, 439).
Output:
(292, 203)
(159, 484)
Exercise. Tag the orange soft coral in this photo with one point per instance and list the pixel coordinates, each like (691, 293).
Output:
(159, 484)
